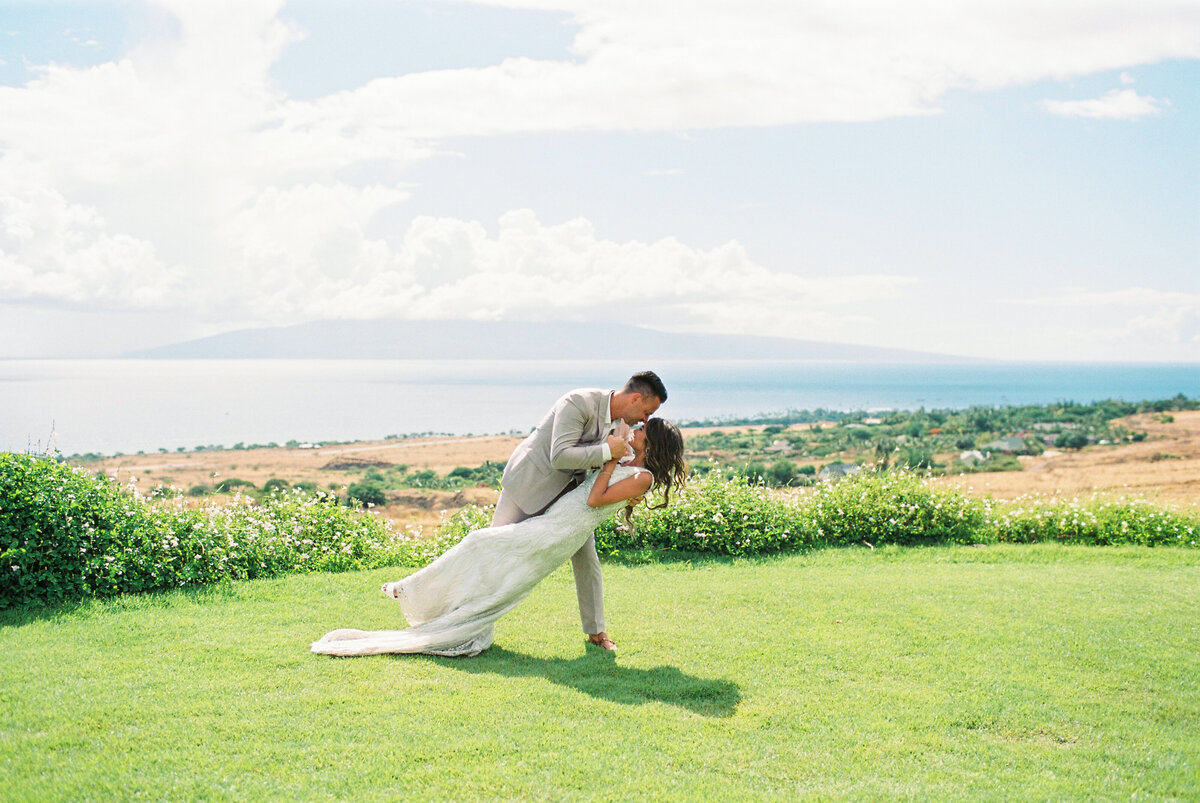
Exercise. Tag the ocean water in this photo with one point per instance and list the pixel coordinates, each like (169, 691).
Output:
(112, 406)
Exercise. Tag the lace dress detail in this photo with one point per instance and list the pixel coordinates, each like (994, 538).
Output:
(452, 604)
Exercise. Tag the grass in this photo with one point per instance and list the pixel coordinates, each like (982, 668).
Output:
(1040, 671)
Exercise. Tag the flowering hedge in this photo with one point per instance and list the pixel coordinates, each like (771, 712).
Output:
(65, 534)
(735, 517)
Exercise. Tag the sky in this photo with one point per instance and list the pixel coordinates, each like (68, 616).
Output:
(1007, 179)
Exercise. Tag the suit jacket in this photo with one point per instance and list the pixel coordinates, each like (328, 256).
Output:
(567, 442)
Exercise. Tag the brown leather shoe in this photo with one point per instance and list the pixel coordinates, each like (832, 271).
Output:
(602, 641)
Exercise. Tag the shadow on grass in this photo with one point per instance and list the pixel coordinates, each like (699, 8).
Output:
(597, 673)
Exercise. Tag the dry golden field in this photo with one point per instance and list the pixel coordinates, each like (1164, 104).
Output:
(1164, 468)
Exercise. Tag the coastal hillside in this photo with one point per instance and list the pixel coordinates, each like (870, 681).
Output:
(488, 340)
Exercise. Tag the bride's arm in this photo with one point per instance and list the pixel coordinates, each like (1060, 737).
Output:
(603, 494)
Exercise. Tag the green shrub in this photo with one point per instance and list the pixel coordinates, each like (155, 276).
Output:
(732, 516)
(914, 457)
(65, 535)
(199, 490)
(276, 484)
(1071, 440)
(890, 507)
(232, 484)
(781, 472)
(1100, 522)
(367, 493)
(714, 514)
(455, 526)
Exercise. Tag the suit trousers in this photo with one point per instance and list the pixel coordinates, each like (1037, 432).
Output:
(589, 583)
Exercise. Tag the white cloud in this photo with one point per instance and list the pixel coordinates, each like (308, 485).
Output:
(1117, 104)
(1126, 296)
(669, 66)
(180, 176)
(449, 268)
(53, 249)
(1127, 78)
(1139, 316)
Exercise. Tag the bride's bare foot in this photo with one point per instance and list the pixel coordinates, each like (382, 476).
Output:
(391, 590)
(602, 641)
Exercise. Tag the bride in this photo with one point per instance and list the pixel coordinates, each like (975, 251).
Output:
(452, 604)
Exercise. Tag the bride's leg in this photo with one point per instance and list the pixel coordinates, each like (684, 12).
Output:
(391, 590)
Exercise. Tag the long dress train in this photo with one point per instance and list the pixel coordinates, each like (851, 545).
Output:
(452, 604)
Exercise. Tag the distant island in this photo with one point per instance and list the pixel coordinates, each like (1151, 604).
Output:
(390, 339)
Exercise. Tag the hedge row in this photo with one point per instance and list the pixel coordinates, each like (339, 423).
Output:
(65, 535)
(736, 517)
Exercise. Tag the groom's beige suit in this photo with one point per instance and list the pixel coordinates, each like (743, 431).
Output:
(567, 442)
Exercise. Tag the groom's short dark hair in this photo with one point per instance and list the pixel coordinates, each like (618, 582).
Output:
(646, 383)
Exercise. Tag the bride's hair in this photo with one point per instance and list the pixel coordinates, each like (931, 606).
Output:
(664, 457)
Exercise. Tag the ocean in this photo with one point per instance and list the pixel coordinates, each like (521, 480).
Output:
(109, 406)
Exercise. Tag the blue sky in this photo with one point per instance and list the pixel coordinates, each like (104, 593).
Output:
(1011, 180)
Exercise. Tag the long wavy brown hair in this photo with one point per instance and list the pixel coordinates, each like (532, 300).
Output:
(664, 458)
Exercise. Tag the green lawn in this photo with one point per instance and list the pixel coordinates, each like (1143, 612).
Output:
(951, 673)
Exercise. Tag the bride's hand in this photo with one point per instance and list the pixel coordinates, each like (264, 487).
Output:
(617, 447)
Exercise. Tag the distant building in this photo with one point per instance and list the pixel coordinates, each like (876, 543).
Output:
(872, 420)
(782, 447)
(972, 457)
(1009, 444)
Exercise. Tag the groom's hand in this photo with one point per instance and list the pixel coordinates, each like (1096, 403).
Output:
(617, 446)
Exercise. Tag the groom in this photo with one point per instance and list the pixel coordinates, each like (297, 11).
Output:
(576, 435)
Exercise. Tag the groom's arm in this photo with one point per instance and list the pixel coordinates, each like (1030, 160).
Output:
(566, 452)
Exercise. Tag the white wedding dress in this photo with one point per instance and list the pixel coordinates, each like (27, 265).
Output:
(452, 604)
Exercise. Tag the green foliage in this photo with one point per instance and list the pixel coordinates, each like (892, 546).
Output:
(781, 472)
(275, 484)
(893, 507)
(1100, 522)
(232, 484)
(714, 514)
(735, 517)
(1071, 440)
(925, 433)
(367, 493)
(199, 490)
(454, 528)
(915, 457)
(65, 535)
